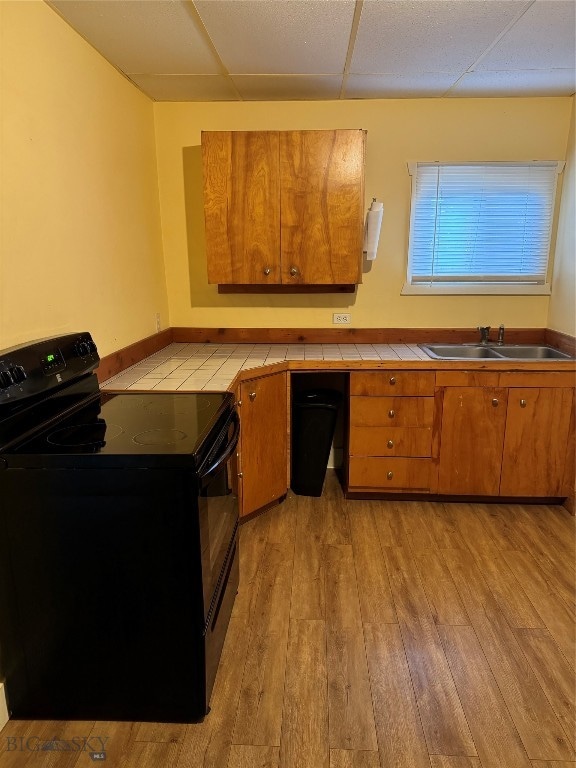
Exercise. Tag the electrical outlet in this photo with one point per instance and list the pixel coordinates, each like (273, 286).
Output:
(341, 318)
(158, 323)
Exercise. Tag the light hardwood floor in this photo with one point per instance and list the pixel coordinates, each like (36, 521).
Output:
(371, 634)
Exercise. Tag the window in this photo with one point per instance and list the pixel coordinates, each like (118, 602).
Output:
(481, 227)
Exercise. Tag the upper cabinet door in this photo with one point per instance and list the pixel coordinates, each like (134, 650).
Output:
(322, 204)
(242, 206)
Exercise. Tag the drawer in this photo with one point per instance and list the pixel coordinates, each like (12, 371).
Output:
(379, 473)
(394, 383)
(391, 411)
(390, 441)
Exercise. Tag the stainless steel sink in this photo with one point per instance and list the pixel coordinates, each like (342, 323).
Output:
(459, 351)
(532, 352)
(483, 352)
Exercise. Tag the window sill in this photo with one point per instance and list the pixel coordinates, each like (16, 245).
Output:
(468, 289)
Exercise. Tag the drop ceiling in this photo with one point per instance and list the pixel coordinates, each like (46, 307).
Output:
(267, 50)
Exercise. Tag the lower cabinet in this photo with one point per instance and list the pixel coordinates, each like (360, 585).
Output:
(472, 437)
(390, 431)
(461, 433)
(505, 441)
(535, 446)
(263, 453)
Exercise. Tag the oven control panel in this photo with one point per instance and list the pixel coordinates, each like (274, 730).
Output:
(31, 369)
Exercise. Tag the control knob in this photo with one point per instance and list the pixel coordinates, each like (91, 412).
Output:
(5, 379)
(18, 373)
(81, 348)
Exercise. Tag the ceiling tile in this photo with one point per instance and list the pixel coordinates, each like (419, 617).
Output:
(543, 38)
(411, 36)
(186, 87)
(271, 37)
(556, 82)
(398, 86)
(287, 87)
(144, 36)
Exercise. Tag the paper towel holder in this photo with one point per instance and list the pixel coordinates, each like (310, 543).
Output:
(372, 229)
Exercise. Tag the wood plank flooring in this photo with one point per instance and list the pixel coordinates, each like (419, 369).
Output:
(371, 634)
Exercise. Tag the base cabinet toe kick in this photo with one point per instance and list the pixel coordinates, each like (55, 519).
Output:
(460, 434)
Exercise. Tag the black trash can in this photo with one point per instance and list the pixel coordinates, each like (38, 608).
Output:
(314, 413)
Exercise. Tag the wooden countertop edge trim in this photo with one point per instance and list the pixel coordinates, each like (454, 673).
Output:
(116, 362)
(346, 366)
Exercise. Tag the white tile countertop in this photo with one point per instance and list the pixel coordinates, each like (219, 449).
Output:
(192, 367)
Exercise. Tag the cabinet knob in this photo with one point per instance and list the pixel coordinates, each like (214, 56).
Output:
(392, 380)
(390, 475)
(390, 444)
(294, 271)
(267, 270)
(391, 414)
(239, 403)
(523, 403)
(240, 475)
(252, 396)
(495, 402)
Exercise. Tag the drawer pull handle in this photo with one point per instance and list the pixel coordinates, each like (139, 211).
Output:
(294, 271)
(267, 270)
(391, 414)
(252, 396)
(523, 403)
(495, 402)
(390, 475)
(392, 380)
(390, 444)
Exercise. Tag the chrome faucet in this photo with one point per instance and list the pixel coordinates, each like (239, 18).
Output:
(500, 335)
(484, 333)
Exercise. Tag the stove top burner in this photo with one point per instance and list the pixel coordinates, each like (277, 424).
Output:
(159, 437)
(85, 435)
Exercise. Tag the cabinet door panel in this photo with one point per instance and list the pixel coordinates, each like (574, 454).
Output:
(264, 440)
(242, 206)
(322, 205)
(537, 428)
(472, 440)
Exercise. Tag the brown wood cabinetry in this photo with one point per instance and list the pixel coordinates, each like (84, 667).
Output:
(537, 431)
(263, 454)
(461, 433)
(472, 436)
(284, 208)
(506, 441)
(390, 431)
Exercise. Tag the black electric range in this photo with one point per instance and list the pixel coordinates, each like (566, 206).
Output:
(118, 540)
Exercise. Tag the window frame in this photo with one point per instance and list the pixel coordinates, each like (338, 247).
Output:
(474, 286)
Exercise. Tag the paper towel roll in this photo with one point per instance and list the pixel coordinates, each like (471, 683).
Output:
(372, 229)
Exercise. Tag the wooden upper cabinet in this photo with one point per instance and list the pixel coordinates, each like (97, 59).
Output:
(284, 208)
(242, 206)
(322, 206)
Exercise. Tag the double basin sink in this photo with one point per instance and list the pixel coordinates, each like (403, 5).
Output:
(493, 352)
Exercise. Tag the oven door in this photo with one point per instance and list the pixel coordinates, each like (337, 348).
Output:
(218, 510)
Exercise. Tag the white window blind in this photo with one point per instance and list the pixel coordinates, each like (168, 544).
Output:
(481, 223)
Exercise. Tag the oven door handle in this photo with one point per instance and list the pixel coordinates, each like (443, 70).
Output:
(229, 450)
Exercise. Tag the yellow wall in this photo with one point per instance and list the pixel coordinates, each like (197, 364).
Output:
(80, 244)
(398, 131)
(562, 315)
